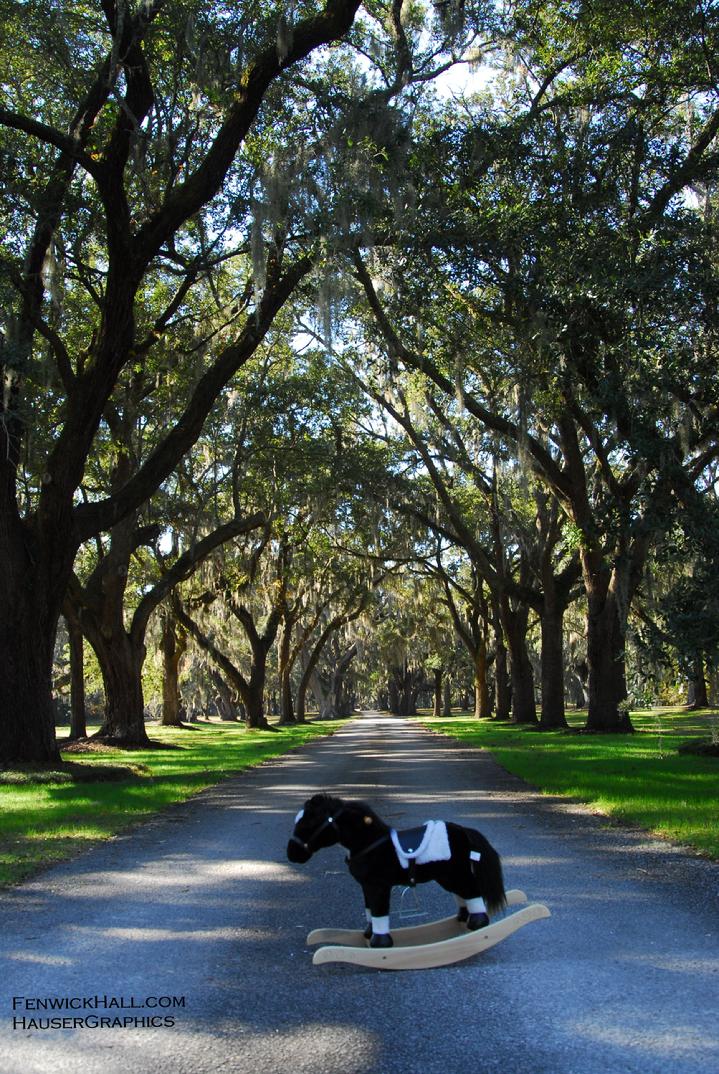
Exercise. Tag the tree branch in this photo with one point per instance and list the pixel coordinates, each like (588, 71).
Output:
(64, 142)
(683, 173)
(232, 672)
(104, 513)
(206, 181)
(546, 466)
(186, 564)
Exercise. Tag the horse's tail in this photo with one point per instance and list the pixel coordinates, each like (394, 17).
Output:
(488, 871)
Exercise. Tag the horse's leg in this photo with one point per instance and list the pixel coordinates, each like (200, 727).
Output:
(462, 911)
(376, 900)
(472, 874)
(471, 907)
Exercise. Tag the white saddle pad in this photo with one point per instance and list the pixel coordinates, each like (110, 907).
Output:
(434, 845)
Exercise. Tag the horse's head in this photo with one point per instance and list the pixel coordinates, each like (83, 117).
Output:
(315, 827)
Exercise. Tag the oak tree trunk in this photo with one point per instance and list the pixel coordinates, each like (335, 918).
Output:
(29, 612)
(287, 714)
(253, 698)
(438, 675)
(253, 690)
(121, 663)
(482, 702)
(309, 678)
(26, 704)
(323, 697)
(225, 701)
(229, 709)
(697, 697)
(447, 698)
(78, 715)
(330, 692)
(514, 622)
(173, 648)
(552, 626)
(607, 686)
(502, 684)
(301, 700)
(404, 683)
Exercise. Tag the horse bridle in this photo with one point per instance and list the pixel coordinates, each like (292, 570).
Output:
(328, 822)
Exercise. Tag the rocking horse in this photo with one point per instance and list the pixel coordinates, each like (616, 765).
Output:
(460, 859)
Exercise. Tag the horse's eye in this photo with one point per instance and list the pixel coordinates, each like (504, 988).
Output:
(299, 816)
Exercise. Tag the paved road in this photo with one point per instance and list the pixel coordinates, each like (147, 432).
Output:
(200, 904)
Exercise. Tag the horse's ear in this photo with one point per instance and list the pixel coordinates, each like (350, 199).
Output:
(368, 820)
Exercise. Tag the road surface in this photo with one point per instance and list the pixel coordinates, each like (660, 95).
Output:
(179, 947)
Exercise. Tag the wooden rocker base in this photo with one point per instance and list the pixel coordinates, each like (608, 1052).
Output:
(431, 932)
(421, 947)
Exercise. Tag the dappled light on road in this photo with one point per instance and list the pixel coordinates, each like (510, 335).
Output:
(46, 960)
(637, 1033)
(202, 903)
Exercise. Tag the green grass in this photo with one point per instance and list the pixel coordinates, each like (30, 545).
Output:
(47, 816)
(638, 779)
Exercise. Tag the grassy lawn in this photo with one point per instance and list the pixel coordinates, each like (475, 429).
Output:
(639, 779)
(48, 816)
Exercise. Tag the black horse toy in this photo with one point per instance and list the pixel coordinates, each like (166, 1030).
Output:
(460, 859)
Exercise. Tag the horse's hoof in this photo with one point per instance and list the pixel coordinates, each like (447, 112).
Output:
(368, 933)
(382, 939)
(477, 921)
(462, 913)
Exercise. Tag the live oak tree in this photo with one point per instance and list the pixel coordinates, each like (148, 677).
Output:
(399, 642)
(437, 643)
(337, 613)
(292, 448)
(142, 144)
(249, 595)
(331, 679)
(676, 618)
(354, 553)
(173, 646)
(510, 530)
(114, 603)
(127, 176)
(542, 252)
(256, 602)
(329, 589)
(465, 596)
(113, 611)
(560, 285)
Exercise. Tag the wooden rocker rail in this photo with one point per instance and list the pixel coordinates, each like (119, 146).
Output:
(431, 932)
(430, 953)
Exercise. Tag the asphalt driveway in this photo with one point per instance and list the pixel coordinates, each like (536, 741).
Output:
(180, 946)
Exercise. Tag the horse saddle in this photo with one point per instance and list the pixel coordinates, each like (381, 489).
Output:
(409, 843)
(410, 840)
(416, 846)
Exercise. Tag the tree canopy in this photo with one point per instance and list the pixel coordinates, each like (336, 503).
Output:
(324, 313)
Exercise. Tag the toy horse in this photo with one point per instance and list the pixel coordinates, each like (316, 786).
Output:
(460, 859)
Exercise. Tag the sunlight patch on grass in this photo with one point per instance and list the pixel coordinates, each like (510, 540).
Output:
(638, 779)
(43, 820)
